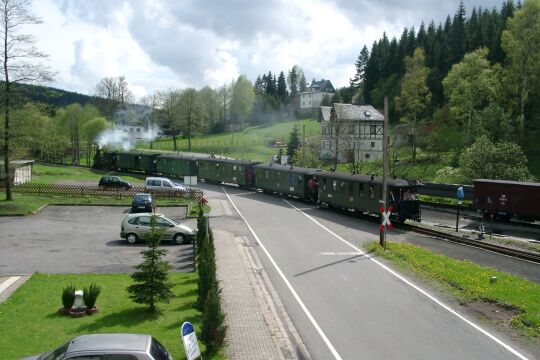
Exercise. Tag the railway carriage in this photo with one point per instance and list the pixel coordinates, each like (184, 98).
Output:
(229, 171)
(137, 161)
(502, 199)
(285, 179)
(177, 165)
(363, 193)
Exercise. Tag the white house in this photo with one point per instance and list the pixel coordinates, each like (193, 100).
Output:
(310, 100)
(351, 132)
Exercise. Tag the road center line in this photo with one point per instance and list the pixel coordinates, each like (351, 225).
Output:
(416, 287)
(289, 286)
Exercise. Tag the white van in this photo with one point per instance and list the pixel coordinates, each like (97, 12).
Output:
(162, 183)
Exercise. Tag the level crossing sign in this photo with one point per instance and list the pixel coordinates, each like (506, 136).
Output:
(386, 218)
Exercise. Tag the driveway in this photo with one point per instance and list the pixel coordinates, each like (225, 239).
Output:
(79, 239)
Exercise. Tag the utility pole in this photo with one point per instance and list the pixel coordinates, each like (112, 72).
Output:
(303, 145)
(382, 233)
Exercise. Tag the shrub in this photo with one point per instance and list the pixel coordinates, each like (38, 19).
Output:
(90, 295)
(213, 328)
(68, 296)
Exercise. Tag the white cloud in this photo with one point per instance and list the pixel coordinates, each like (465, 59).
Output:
(169, 44)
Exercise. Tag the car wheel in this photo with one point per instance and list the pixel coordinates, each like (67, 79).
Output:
(179, 239)
(132, 238)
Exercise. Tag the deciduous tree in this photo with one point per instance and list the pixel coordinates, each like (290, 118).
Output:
(415, 95)
(17, 50)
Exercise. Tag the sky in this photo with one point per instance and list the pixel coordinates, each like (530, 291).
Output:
(175, 44)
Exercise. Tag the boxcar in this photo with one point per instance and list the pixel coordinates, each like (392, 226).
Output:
(177, 165)
(137, 161)
(230, 171)
(363, 192)
(285, 179)
(506, 199)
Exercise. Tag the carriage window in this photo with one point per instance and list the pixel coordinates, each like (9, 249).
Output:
(266, 174)
(299, 179)
(351, 190)
(371, 192)
(324, 184)
(235, 168)
(334, 185)
(292, 179)
(342, 186)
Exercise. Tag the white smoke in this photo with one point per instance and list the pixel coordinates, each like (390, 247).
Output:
(133, 124)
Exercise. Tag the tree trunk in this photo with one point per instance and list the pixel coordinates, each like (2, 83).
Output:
(174, 142)
(9, 195)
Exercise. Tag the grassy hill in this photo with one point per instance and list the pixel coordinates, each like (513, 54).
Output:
(254, 143)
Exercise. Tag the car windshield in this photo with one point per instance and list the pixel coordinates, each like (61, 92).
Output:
(57, 354)
(141, 197)
(158, 351)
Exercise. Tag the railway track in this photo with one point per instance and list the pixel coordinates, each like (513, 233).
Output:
(520, 254)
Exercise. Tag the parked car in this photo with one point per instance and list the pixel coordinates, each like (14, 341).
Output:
(162, 183)
(143, 202)
(108, 346)
(136, 227)
(114, 182)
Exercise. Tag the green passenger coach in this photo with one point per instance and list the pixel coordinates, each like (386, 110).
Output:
(285, 179)
(229, 171)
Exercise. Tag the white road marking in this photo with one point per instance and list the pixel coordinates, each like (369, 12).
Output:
(10, 281)
(341, 253)
(416, 287)
(291, 289)
(226, 208)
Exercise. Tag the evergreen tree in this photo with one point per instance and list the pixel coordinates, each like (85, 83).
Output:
(294, 142)
(152, 274)
(282, 93)
(457, 38)
(358, 79)
(213, 328)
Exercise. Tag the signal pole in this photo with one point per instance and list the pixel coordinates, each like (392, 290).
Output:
(382, 233)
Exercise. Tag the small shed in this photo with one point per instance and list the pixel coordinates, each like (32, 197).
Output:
(21, 171)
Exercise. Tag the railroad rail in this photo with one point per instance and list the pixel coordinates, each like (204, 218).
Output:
(520, 254)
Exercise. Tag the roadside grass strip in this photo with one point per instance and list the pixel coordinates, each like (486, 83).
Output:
(30, 322)
(29, 204)
(470, 282)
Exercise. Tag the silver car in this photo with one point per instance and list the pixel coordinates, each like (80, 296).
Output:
(136, 227)
(108, 346)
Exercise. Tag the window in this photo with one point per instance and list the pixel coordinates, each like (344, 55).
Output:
(373, 130)
(371, 192)
(144, 220)
(334, 185)
(167, 184)
(324, 183)
(373, 144)
(58, 353)
(266, 174)
(342, 186)
(133, 221)
(361, 190)
(162, 222)
(138, 129)
(351, 129)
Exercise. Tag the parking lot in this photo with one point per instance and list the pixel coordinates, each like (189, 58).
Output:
(79, 239)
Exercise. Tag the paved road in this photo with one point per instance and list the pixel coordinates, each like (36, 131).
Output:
(77, 239)
(358, 309)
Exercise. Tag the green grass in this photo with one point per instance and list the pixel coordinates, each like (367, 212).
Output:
(470, 282)
(50, 174)
(28, 204)
(247, 144)
(30, 323)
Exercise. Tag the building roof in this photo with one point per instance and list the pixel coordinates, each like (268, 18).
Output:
(322, 85)
(352, 112)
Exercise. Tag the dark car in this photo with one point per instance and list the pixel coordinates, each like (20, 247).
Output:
(142, 202)
(114, 182)
(108, 346)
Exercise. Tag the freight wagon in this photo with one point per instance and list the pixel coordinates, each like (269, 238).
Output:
(501, 199)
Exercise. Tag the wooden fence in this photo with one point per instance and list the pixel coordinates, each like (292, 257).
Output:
(95, 191)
